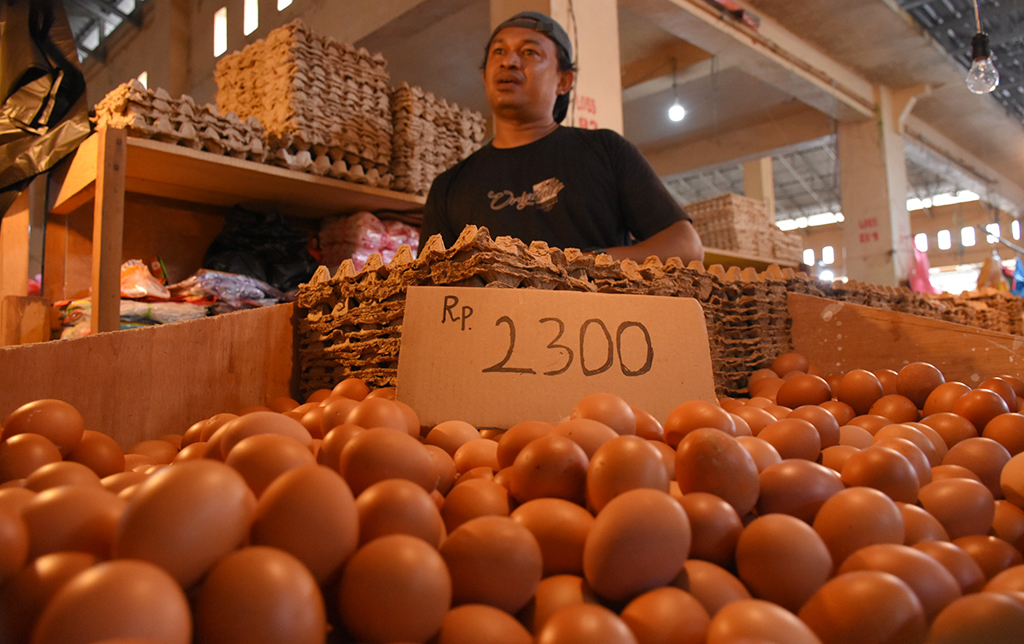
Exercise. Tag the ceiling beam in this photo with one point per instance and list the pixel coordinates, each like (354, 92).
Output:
(741, 144)
(660, 63)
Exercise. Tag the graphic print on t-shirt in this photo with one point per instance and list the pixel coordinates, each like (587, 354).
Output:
(544, 196)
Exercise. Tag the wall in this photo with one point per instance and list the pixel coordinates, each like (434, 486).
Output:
(930, 222)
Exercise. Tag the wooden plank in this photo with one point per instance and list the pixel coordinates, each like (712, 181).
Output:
(139, 384)
(837, 337)
(73, 181)
(24, 320)
(14, 247)
(728, 258)
(108, 231)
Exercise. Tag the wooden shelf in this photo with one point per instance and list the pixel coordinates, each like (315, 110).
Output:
(729, 258)
(110, 164)
(174, 172)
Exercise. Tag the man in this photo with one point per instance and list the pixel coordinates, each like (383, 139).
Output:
(536, 180)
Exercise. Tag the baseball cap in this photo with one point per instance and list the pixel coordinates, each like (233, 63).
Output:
(540, 23)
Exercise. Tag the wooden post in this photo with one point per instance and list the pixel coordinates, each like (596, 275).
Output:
(759, 183)
(873, 181)
(108, 230)
(595, 38)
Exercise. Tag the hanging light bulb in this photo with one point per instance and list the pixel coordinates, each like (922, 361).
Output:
(983, 77)
(676, 112)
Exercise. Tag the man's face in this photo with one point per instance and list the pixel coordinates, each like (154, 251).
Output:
(521, 76)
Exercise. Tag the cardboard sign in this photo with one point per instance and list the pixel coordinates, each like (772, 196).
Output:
(497, 357)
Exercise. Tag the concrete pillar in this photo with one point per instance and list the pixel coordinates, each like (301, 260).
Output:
(595, 38)
(759, 183)
(873, 181)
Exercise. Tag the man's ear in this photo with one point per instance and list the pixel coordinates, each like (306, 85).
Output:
(565, 81)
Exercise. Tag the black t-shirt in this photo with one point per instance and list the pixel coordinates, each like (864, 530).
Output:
(574, 188)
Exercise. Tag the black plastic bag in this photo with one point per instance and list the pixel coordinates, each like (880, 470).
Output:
(262, 246)
(45, 115)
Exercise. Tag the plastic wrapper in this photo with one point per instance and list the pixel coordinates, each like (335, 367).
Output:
(228, 290)
(138, 283)
(45, 115)
(78, 314)
(358, 236)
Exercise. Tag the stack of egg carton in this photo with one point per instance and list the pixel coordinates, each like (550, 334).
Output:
(324, 104)
(734, 222)
(430, 136)
(153, 114)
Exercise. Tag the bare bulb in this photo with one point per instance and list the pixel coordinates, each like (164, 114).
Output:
(677, 112)
(983, 77)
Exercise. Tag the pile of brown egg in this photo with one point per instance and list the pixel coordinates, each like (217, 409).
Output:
(865, 508)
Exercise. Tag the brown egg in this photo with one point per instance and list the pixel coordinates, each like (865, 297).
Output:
(842, 412)
(260, 422)
(882, 469)
(15, 539)
(451, 435)
(383, 453)
(22, 454)
(553, 593)
(933, 436)
(1008, 431)
(918, 379)
(984, 457)
(639, 541)
(1004, 389)
(888, 378)
(561, 529)
(647, 426)
(472, 623)
(835, 457)
(667, 615)
(696, 414)
(375, 412)
(912, 453)
(1009, 580)
(953, 428)
(987, 617)
(494, 561)
(920, 525)
(934, 586)
(793, 438)
(714, 527)
(138, 462)
(260, 594)
(54, 419)
(755, 417)
(823, 421)
(550, 466)
(778, 411)
(319, 395)
(159, 450)
(412, 421)
(859, 389)
(742, 428)
(215, 422)
(445, 467)
(60, 474)
(397, 506)
(117, 482)
(979, 407)
(870, 422)
(309, 512)
(943, 397)
(332, 414)
(992, 553)
(1008, 524)
(481, 452)
(912, 434)
(940, 472)
(855, 436)
(1011, 481)
(782, 559)
(472, 499)
(585, 623)
(333, 443)
(866, 606)
(262, 458)
(517, 437)
(475, 473)
(30, 590)
(857, 517)
(313, 421)
(193, 434)
(754, 620)
(897, 408)
(760, 402)
(82, 519)
(623, 463)
(116, 599)
(766, 388)
(732, 404)
(803, 389)
(185, 517)
(791, 361)
(762, 452)
(961, 565)
(608, 409)
(761, 374)
(962, 506)
(588, 434)
(796, 487)
(713, 586)
(709, 460)
(668, 457)
(98, 452)
(388, 393)
(281, 404)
